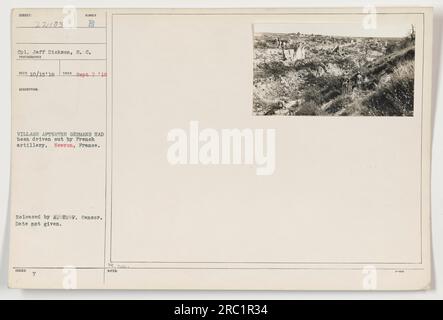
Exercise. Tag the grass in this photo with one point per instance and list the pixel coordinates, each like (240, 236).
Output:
(396, 96)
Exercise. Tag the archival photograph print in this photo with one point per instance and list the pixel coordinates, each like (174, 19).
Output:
(342, 70)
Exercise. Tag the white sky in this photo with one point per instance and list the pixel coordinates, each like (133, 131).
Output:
(336, 29)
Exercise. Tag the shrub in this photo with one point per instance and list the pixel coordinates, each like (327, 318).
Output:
(308, 109)
(338, 104)
(312, 95)
(323, 88)
(396, 96)
(274, 69)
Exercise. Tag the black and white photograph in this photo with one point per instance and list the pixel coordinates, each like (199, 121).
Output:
(200, 153)
(310, 70)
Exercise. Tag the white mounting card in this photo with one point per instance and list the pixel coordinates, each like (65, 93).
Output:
(244, 149)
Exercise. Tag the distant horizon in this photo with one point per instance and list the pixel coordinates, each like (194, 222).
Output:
(329, 35)
(352, 30)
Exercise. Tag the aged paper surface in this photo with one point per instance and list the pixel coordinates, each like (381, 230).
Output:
(255, 149)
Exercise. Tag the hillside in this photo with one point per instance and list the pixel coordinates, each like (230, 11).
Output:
(297, 74)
